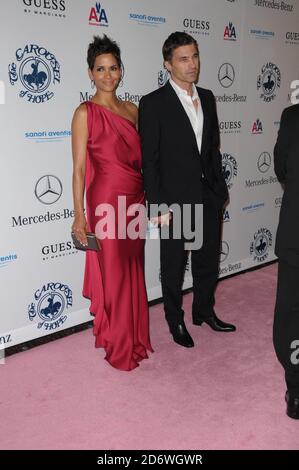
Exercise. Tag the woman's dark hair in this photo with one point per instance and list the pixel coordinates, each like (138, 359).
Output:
(101, 46)
(174, 41)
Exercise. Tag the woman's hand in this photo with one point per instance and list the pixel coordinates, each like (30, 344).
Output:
(79, 228)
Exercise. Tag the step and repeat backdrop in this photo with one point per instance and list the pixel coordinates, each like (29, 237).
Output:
(249, 58)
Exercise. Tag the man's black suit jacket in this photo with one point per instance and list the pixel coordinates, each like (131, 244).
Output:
(286, 162)
(172, 164)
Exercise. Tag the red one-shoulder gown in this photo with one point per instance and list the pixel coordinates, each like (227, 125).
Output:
(114, 277)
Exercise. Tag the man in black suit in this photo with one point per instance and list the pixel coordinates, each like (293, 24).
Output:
(286, 318)
(182, 165)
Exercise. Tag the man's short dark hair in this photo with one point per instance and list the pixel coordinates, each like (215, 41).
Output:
(174, 41)
(102, 45)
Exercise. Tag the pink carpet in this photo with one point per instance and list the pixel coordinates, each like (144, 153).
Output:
(225, 393)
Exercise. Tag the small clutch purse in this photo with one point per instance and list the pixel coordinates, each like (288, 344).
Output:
(92, 242)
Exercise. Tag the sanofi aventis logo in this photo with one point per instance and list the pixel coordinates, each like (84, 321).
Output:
(147, 19)
(7, 259)
(47, 136)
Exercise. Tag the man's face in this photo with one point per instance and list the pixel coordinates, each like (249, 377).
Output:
(184, 64)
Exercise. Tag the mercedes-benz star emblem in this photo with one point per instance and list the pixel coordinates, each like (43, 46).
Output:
(264, 162)
(224, 251)
(48, 189)
(226, 75)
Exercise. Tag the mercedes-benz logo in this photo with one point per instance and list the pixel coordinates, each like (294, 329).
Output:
(224, 251)
(226, 75)
(48, 189)
(264, 162)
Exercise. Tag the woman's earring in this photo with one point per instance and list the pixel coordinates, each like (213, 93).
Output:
(92, 84)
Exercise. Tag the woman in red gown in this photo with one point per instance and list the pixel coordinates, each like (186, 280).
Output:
(107, 165)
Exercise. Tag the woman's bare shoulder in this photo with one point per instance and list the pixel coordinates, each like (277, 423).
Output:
(80, 114)
(131, 106)
(81, 110)
(131, 109)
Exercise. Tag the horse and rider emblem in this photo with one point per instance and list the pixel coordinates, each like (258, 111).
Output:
(268, 82)
(229, 169)
(35, 75)
(37, 70)
(50, 303)
(259, 248)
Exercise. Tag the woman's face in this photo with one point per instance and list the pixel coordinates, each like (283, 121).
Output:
(106, 73)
